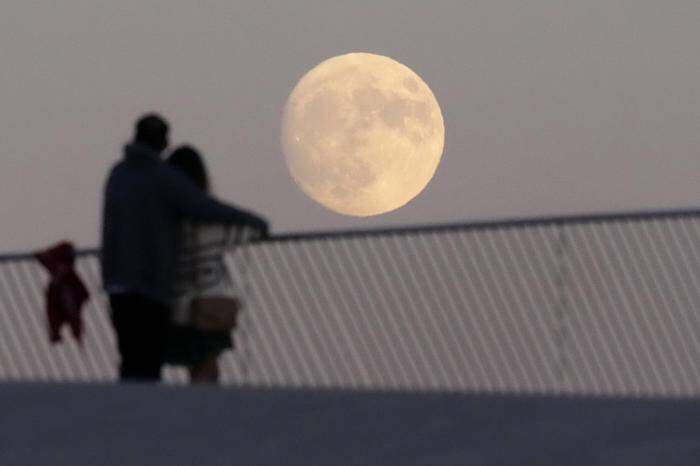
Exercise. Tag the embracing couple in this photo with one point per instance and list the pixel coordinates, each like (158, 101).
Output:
(155, 211)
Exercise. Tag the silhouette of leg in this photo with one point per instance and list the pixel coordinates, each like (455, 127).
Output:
(141, 325)
(207, 371)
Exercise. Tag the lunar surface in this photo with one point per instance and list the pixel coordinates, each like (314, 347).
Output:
(362, 134)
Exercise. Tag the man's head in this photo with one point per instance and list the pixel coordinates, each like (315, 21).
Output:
(152, 130)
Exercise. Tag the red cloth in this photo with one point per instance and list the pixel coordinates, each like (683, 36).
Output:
(66, 293)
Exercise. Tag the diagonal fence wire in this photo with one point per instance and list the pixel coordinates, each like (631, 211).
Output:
(603, 305)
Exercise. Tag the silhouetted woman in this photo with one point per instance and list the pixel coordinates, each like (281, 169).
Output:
(200, 271)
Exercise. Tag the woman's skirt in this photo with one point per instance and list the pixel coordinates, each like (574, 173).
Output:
(188, 346)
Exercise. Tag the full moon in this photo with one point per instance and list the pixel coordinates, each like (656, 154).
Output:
(362, 134)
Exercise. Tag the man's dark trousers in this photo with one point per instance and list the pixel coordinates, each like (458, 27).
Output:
(141, 325)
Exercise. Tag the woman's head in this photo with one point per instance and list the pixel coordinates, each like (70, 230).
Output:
(188, 160)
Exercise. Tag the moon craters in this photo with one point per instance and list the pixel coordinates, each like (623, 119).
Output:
(362, 134)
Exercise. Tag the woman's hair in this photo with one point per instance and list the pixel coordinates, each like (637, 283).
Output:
(188, 160)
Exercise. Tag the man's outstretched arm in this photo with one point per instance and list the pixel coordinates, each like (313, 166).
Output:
(192, 203)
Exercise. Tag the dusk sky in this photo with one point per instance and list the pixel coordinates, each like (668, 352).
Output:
(550, 106)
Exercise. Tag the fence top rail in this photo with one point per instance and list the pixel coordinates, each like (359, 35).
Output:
(562, 220)
(495, 224)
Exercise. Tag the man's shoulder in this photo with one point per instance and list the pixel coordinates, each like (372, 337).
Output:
(169, 177)
(115, 172)
(118, 165)
(126, 167)
(165, 170)
(127, 175)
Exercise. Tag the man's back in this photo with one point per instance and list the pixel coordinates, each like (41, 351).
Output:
(140, 228)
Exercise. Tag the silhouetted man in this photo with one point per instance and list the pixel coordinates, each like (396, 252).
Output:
(145, 204)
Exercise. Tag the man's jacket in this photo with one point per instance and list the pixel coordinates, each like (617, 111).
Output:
(145, 203)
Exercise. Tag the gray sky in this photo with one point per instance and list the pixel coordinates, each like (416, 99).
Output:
(561, 106)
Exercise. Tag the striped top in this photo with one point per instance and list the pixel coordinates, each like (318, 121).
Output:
(200, 268)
